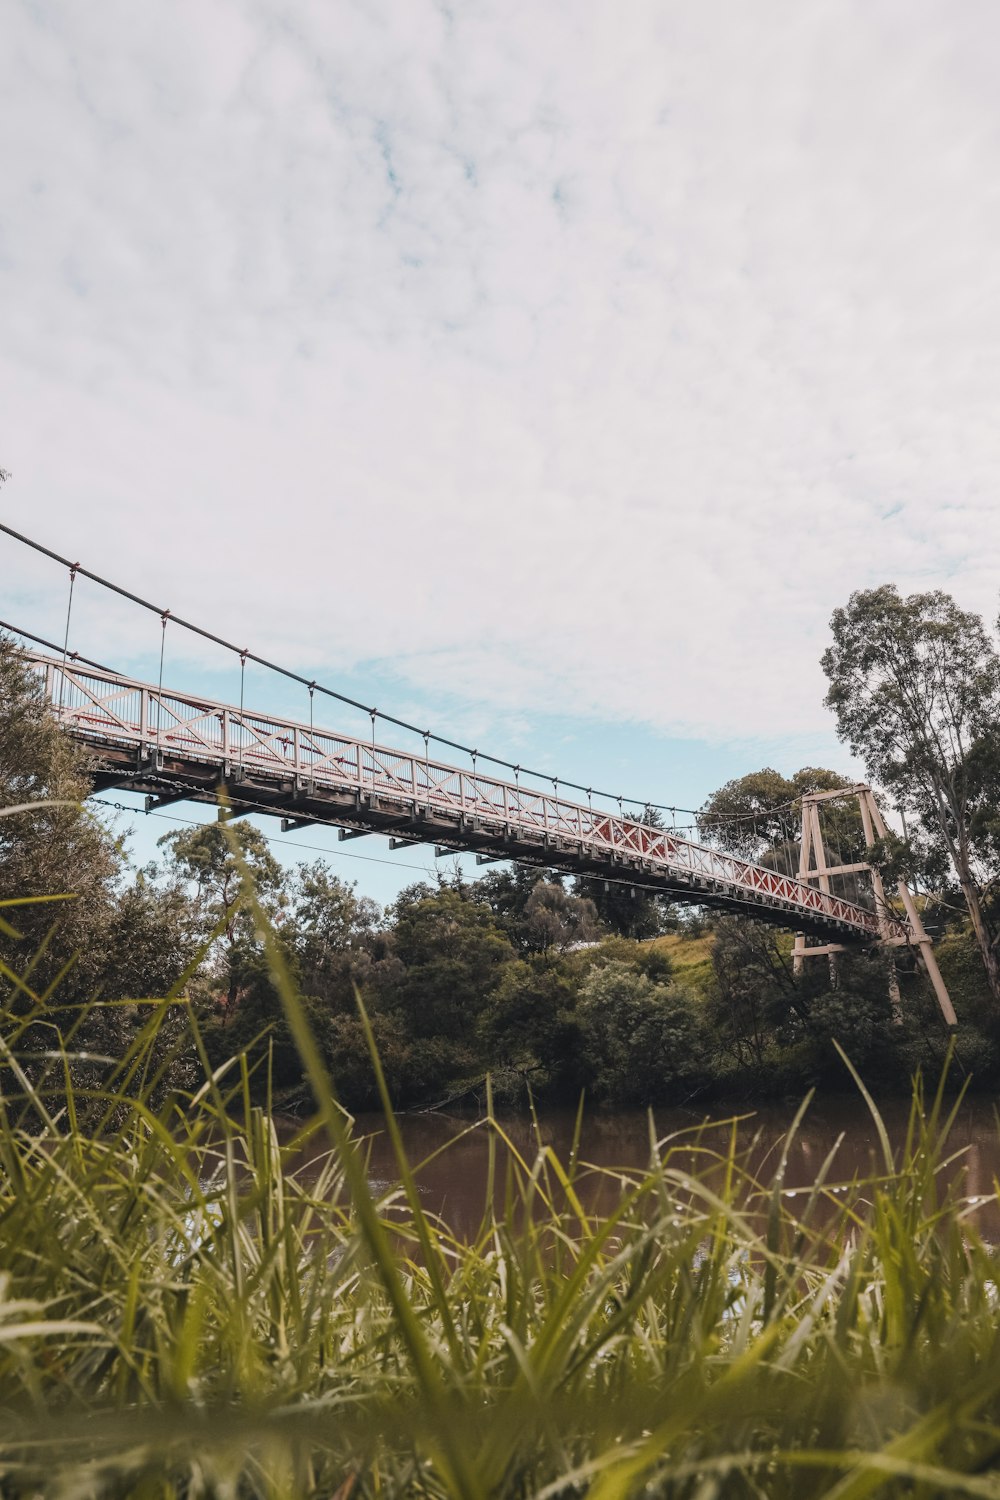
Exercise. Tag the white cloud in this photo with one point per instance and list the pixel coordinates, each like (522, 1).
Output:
(570, 358)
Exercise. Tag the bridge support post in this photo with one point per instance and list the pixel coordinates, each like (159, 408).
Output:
(813, 866)
(812, 848)
(866, 802)
(921, 940)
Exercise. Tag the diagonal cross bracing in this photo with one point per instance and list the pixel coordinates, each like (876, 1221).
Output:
(337, 778)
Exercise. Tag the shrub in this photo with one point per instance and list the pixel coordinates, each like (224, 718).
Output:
(641, 1041)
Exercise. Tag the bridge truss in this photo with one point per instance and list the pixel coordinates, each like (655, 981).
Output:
(177, 747)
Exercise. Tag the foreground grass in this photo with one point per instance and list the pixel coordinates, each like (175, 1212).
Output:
(186, 1312)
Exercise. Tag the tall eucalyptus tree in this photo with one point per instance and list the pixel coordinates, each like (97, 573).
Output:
(915, 686)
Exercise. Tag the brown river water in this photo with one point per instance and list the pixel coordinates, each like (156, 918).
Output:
(453, 1184)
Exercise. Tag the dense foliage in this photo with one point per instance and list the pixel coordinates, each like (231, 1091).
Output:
(915, 685)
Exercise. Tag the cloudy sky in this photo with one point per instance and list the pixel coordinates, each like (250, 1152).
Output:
(545, 371)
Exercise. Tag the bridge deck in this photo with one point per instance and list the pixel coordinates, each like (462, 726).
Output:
(169, 743)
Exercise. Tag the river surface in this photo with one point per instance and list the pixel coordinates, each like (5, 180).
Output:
(453, 1182)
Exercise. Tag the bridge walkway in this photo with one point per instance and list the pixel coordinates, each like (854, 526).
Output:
(175, 746)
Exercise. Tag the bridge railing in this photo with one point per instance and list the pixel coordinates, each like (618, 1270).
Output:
(108, 709)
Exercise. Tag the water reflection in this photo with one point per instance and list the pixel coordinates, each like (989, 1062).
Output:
(453, 1181)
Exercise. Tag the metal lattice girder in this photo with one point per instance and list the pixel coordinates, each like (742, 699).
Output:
(196, 743)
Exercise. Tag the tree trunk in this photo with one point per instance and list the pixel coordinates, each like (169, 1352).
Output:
(982, 932)
(958, 849)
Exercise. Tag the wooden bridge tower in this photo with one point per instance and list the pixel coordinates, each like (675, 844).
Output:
(815, 868)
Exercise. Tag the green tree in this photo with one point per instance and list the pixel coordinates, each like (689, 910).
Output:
(529, 1029)
(633, 910)
(982, 769)
(507, 892)
(56, 849)
(641, 1041)
(764, 1017)
(759, 816)
(205, 856)
(751, 814)
(915, 685)
(855, 1012)
(451, 955)
(333, 933)
(553, 918)
(153, 938)
(112, 941)
(752, 969)
(535, 910)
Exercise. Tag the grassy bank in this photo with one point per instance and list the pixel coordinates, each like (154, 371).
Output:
(690, 958)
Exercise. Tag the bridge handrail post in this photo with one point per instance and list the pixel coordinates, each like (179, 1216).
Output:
(143, 718)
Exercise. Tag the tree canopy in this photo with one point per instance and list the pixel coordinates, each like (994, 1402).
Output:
(56, 847)
(915, 685)
(759, 816)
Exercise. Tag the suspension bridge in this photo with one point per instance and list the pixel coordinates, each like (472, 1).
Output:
(173, 746)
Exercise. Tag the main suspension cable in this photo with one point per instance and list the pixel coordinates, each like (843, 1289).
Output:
(272, 666)
(705, 820)
(41, 640)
